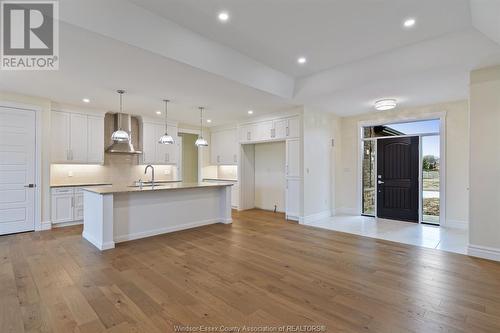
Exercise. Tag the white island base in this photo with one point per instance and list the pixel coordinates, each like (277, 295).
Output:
(113, 215)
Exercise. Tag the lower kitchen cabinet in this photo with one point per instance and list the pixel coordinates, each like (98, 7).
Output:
(66, 205)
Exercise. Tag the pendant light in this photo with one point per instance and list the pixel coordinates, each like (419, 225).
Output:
(200, 142)
(165, 138)
(120, 135)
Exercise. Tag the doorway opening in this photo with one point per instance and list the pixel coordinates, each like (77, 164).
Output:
(402, 171)
(189, 158)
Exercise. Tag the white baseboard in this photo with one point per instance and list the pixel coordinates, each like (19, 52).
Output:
(457, 224)
(46, 225)
(315, 217)
(99, 245)
(149, 233)
(67, 224)
(347, 211)
(484, 252)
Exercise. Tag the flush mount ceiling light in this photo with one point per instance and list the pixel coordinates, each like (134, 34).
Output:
(86, 100)
(250, 111)
(166, 139)
(301, 60)
(409, 22)
(158, 113)
(120, 135)
(223, 16)
(209, 121)
(201, 142)
(385, 104)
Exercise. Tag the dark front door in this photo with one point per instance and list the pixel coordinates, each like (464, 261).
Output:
(397, 178)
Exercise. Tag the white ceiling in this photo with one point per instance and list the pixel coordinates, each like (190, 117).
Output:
(328, 32)
(357, 52)
(94, 67)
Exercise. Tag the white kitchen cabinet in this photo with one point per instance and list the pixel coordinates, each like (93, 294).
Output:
(66, 205)
(62, 204)
(264, 130)
(248, 133)
(293, 158)
(95, 140)
(270, 130)
(293, 127)
(293, 190)
(155, 153)
(77, 138)
(149, 142)
(60, 136)
(224, 147)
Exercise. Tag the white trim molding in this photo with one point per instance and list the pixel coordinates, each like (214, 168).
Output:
(315, 217)
(484, 252)
(347, 211)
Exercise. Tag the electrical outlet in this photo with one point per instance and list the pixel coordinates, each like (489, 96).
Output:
(70, 173)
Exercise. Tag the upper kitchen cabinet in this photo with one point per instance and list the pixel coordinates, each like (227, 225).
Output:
(270, 130)
(286, 128)
(77, 138)
(224, 147)
(154, 152)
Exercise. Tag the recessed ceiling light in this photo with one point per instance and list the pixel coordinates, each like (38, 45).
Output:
(86, 100)
(158, 112)
(302, 60)
(223, 16)
(250, 112)
(385, 104)
(209, 121)
(410, 22)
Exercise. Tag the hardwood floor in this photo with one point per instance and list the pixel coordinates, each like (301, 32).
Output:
(259, 271)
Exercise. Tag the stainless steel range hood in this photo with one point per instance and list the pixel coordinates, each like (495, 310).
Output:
(123, 121)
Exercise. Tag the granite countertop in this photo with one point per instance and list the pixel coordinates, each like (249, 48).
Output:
(107, 184)
(79, 184)
(149, 188)
(221, 179)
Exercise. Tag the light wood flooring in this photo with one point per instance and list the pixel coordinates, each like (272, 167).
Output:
(261, 270)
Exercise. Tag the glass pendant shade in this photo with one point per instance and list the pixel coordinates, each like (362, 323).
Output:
(120, 136)
(200, 142)
(166, 139)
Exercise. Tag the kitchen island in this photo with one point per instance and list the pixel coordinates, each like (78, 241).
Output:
(116, 214)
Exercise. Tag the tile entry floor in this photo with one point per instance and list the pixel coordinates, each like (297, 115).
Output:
(446, 239)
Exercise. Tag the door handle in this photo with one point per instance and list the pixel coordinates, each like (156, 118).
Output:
(380, 182)
(30, 185)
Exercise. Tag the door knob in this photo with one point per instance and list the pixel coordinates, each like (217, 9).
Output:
(380, 182)
(30, 185)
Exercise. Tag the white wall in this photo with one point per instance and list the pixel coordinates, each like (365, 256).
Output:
(457, 157)
(484, 232)
(318, 166)
(270, 176)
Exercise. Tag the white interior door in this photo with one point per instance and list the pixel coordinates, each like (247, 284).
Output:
(17, 170)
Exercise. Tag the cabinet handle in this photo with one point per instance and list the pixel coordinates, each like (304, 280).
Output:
(218, 158)
(67, 154)
(73, 202)
(287, 169)
(249, 136)
(235, 158)
(287, 131)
